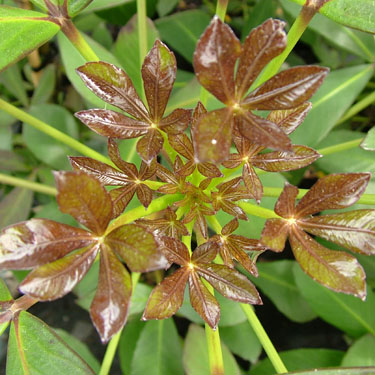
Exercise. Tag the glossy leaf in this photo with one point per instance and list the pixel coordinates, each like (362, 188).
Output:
(214, 60)
(109, 308)
(355, 316)
(20, 38)
(34, 348)
(369, 141)
(39, 241)
(158, 73)
(287, 89)
(275, 234)
(114, 86)
(137, 247)
(332, 192)
(167, 297)
(203, 302)
(262, 45)
(83, 197)
(159, 343)
(336, 270)
(230, 283)
(175, 251)
(56, 279)
(354, 230)
(360, 352)
(150, 145)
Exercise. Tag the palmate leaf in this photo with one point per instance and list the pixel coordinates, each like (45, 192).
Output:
(167, 297)
(45, 244)
(353, 230)
(214, 62)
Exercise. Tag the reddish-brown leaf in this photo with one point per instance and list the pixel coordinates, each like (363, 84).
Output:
(354, 230)
(158, 73)
(333, 192)
(229, 282)
(336, 270)
(213, 136)
(182, 144)
(252, 182)
(167, 297)
(137, 247)
(150, 145)
(262, 132)
(230, 227)
(112, 124)
(39, 241)
(280, 161)
(54, 280)
(129, 169)
(176, 122)
(274, 234)
(262, 45)
(205, 253)
(121, 197)
(209, 170)
(114, 86)
(201, 223)
(84, 198)
(175, 251)
(109, 308)
(104, 173)
(290, 119)
(285, 205)
(144, 194)
(203, 302)
(215, 58)
(287, 89)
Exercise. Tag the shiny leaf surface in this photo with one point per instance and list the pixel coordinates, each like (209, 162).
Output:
(336, 270)
(150, 145)
(54, 280)
(214, 60)
(137, 247)
(39, 241)
(175, 251)
(109, 308)
(84, 198)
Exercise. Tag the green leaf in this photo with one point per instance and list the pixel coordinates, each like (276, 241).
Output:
(21, 31)
(76, 6)
(337, 371)
(335, 96)
(350, 314)
(16, 205)
(35, 349)
(369, 142)
(166, 6)
(72, 59)
(242, 341)
(196, 355)
(300, 359)
(4, 296)
(276, 281)
(182, 30)
(80, 348)
(104, 4)
(158, 350)
(45, 148)
(128, 342)
(361, 353)
(126, 49)
(12, 79)
(354, 160)
(353, 41)
(46, 85)
(6, 133)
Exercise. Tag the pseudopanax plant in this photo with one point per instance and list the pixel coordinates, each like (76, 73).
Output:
(204, 162)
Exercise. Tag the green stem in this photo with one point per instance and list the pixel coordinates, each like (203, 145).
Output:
(15, 181)
(264, 339)
(112, 346)
(253, 209)
(294, 34)
(357, 107)
(186, 240)
(340, 147)
(221, 8)
(76, 38)
(138, 212)
(142, 35)
(368, 199)
(52, 132)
